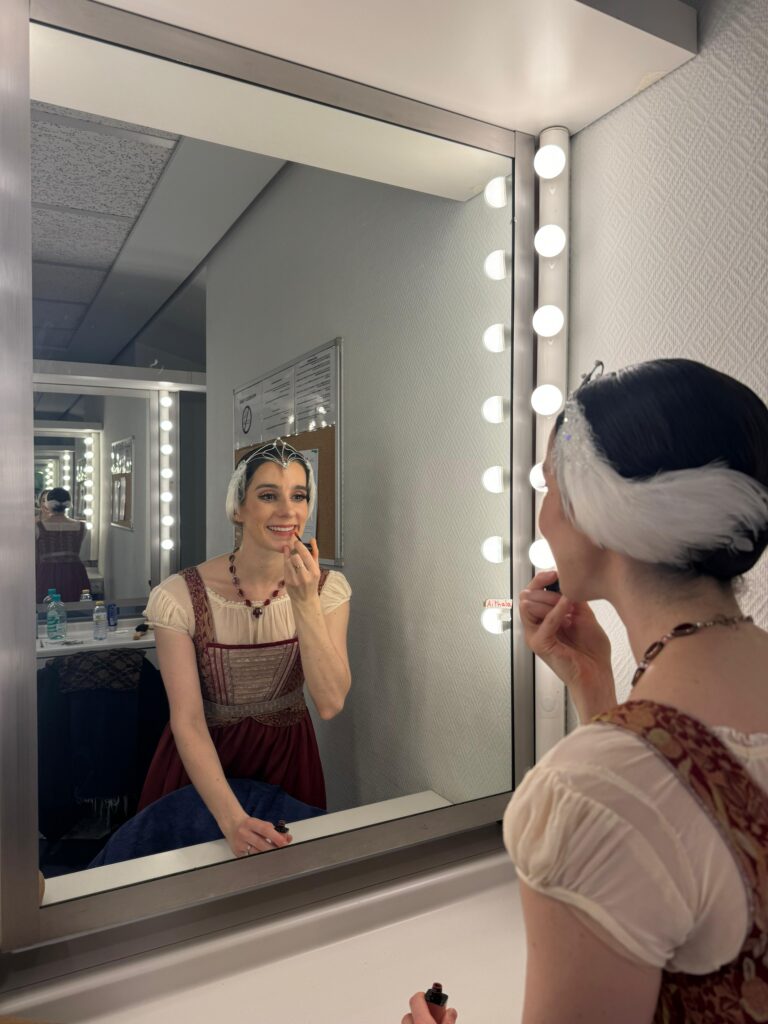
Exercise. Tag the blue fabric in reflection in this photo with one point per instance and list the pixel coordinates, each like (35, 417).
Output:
(181, 819)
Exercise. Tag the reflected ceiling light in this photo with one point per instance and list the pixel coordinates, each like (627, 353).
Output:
(549, 161)
(493, 549)
(496, 192)
(547, 400)
(167, 520)
(166, 473)
(549, 241)
(166, 497)
(548, 321)
(494, 620)
(496, 265)
(494, 409)
(166, 425)
(495, 338)
(540, 554)
(166, 449)
(536, 476)
(167, 544)
(493, 479)
(166, 401)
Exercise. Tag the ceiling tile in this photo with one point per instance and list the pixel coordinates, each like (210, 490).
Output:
(52, 339)
(76, 238)
(65, 284)
(66, 315)
(51, 108)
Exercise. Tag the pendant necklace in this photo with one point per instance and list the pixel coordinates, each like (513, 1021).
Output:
(256, 612)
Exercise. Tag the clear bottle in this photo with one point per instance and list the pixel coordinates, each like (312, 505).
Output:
(49, 596)
(99, 621)
(85, 595)
(56, 619)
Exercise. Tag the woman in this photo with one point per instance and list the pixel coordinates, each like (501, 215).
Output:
(58, 540)
(237, 637)
(641, 839)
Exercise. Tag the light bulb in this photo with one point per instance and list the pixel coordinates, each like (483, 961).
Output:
(312, 424)
(495, 338)
(549, 241)
(536, 476)
(89, 456)
(88, 441)
(166, 401)
(547, 400)
(166, 425)
(493, 479)
(496, 193)
(166, 473)
(496, 265)
(88, 512)
(89, 526)
(167, 544)
(321, 410)
(323, 423)
(493, 409)
(494, 621)
(549, 161)
(65, 457)
(89, 484)
(166, 449)
(548, 321)
(166, 497)
(540, 554)
(50, 465)
(87, 497)
(493, 549)
(88, 470)
(167, 520)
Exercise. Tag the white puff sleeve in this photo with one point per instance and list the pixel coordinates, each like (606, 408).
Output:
(336, 591)
(170, 607)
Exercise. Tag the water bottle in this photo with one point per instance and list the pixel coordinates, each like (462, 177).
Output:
(49, 596)
(56, 619)
(99, 621)
(85, 595)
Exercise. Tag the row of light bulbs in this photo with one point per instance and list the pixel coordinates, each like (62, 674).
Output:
(167, 496)
(88, 482)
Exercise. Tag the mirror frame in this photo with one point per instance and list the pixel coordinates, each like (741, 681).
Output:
(164, 910)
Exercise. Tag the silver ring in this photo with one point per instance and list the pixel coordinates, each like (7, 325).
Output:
(248, 849)
(299, 566)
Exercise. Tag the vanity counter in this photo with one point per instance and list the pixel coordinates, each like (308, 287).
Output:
(80, 638)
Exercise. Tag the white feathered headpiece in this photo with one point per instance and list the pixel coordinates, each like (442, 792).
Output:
(661, 519)
(279, 452)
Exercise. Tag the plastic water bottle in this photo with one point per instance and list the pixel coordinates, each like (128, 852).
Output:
(99, 621)
(49, 596)
(56, 619)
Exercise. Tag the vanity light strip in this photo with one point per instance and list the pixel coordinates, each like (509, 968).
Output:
(166, 442)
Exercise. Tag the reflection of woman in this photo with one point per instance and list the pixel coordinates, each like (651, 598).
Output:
(237, 637)
(57, 549)
(641, 839)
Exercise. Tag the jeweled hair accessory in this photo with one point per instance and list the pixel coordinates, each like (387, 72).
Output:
(661, 519)
(282, 454)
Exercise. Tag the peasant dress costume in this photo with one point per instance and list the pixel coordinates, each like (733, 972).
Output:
(58, 563)
(653, 829)
(252, 686)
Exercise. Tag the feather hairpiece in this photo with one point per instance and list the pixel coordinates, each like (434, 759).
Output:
(282, 454)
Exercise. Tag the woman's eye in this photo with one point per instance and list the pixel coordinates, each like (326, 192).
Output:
(266, 496)
(300, 497)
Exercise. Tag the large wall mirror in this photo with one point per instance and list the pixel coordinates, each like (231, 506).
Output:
(188, 222)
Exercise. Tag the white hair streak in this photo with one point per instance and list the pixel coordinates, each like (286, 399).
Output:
(660, 519)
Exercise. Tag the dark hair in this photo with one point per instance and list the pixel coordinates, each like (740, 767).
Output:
(670, 414)
(254, 464)
(59, 496)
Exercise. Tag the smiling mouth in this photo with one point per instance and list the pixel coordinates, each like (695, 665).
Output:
(282, 531)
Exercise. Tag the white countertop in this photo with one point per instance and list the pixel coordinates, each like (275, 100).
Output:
(80, 638)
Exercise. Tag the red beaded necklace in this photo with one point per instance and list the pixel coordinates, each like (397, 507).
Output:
(256, 612)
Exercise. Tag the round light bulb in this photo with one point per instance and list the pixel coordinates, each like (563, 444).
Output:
(549, 241)
(167, 544)
(492, 621)
(88, 470)
(88, 456)
(548, 321)
(166, 449)
(167, 520)
(493, 479)
(549, 161)
(496, 192)
(89, 484)
(321, 410)
(88, 512)
(547, 400)
(89, 526)
(88, 441)
(495, 338)
(495, 265)
(166, 401)
(166, 425)
(493, 409)
(536, 476)
(540, 554)
(166, 497)
(87, 497)
(65, 457)
(493, 549)
(166, 473)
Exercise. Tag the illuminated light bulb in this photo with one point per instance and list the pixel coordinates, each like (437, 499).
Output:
(50, 465)
(166, 449)
(549, 241)
(536, 476)
(549, 161)
(87, 441)
(494, 620)
(493, 479)
(312, 424)
(65, 457)
(493, 549)
(494, 409)
(88, 470)
(291, 418)
(167, 544)
(548, 321)
(496, 265)
(547, 400)
(323, 423)
(166, 473)
(166, 425)
(87, 497)
(89, 484)
(89, 526)
(540, 554)
(321, 410)
(166, 401)
(167, 520)
(88, 512)
(89, 456)
(495, 193)
(495, 338)
(166, 497)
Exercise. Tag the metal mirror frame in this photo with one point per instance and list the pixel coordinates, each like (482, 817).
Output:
(166, 910)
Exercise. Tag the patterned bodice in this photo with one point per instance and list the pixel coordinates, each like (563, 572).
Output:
(737, 993)
(59, 545)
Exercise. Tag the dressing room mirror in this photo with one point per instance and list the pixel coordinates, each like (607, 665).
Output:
(214, 235)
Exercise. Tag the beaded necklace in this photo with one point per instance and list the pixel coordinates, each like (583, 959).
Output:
(684, 629)
(256, 612)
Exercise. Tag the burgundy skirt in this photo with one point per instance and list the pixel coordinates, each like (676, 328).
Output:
(285, 756)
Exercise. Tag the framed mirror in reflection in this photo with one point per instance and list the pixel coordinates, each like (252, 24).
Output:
(267, 689)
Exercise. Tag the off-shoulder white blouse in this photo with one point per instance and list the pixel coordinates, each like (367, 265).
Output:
(170, 607)
(604, 825)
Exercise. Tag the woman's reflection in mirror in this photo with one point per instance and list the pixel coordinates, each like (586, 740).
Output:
(238, 637)
(58, 539)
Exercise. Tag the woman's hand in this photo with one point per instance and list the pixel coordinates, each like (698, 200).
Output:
(423, 1012)
(301, 570)
(568, 638)
(251, 835)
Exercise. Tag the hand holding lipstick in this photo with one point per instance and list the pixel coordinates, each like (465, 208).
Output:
(301, 570)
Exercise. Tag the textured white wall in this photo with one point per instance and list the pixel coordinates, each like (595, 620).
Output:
(399, 276)
(670, 227)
